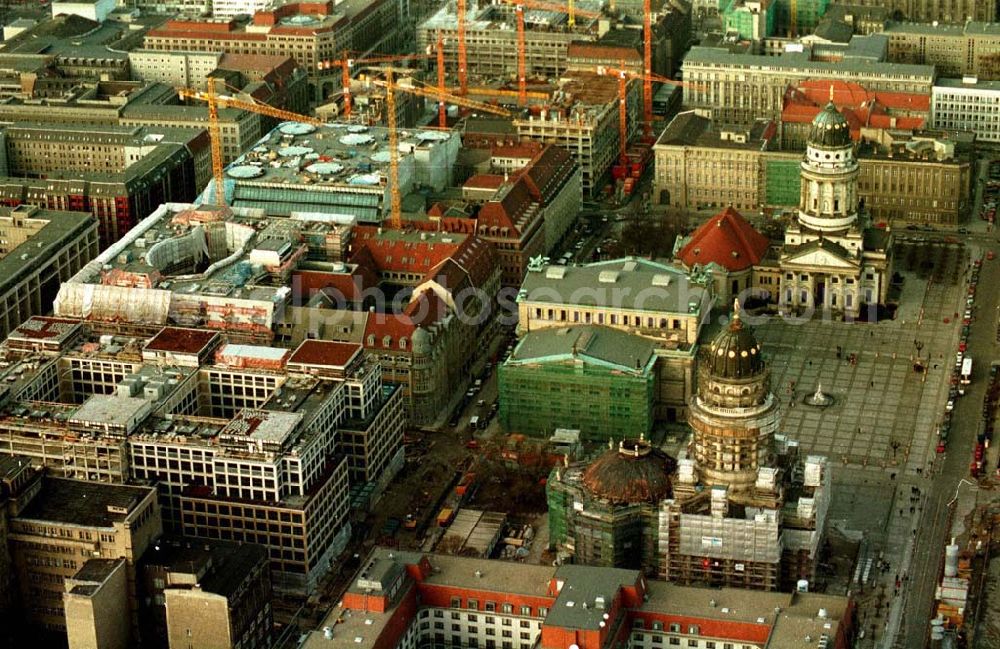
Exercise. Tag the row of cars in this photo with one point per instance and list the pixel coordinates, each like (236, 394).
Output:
(961, 375)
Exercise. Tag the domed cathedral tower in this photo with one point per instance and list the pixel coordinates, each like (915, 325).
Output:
(828, 201)
(734, 415)
(832, 260)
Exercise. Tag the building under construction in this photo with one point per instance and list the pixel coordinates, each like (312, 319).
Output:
(740, 509)
(583, 117)
(491, 38)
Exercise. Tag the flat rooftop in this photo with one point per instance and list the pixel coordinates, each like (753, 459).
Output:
(628, 283)
(77, 502)
(334, 155)
(799, 64)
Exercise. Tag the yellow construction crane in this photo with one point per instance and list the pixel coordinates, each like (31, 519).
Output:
(214, 101)
(430, 92)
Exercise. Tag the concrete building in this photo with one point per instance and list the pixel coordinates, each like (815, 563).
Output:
(251, 436)
(700, 165)
(132, 103)
(832, 259)
(404, 599)
(309, 32)
(39, 249)
(941, 11)
(93, 600)
(58, 528)
(207, 594)
(953, 49)
(598, 380)
(271, 79)
(491, 38)
(356, 180)
(96, 10)
(649, 299)
(967, 104)
(736, 88)
(117, 173)
(584, 119)
(926, 177)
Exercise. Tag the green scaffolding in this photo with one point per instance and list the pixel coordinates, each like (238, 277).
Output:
(736, 17)
(537, 398)
(809, 13)
(782, 182)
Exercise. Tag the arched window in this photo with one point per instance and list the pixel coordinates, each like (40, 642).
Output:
(402, 342)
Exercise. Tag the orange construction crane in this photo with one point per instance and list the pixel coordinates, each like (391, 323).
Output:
(647, 66)
(215, 101)
(442, 109)
(463, 55)
(623, 77)
(391, 87)
(345, 63)
(522, 65)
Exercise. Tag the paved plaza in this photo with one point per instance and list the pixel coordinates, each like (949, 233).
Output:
(885, 414)
(881, 431)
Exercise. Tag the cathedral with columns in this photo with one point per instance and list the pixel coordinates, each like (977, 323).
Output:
(832, 259)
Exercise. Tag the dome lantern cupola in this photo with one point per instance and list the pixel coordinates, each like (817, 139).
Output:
(830, 128)
(735, 352)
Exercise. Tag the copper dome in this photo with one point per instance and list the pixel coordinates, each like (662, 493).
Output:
(830, 129)
(735, 352)
(631, 473)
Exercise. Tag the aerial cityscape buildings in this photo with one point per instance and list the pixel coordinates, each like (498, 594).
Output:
(522, 324)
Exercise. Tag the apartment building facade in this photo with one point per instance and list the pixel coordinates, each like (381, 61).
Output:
(309, 32)
(740, 88)
(240, 440)
(925, 179)
(40, 249)
(967, 104)
(117, 173)
(60, 525)
(954, 50)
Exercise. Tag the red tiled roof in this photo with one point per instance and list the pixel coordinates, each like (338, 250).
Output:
(484, 181)
(325, 352)
(393, 325)
(547, 172)
(399, 255)
(183, 341)
(523, 150)
(346, 285)
(508, 212)
(726, 239)
(861, 108)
